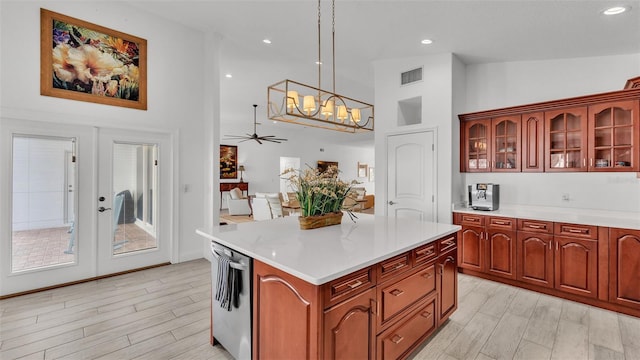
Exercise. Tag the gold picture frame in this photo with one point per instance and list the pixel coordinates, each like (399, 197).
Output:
(228, 162)
(88, 62)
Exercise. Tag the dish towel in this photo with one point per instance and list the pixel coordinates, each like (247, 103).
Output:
(228, 283)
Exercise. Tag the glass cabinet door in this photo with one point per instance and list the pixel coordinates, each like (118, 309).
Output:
(506, 143)
(613, 132)
(566, 139)
(477, 147)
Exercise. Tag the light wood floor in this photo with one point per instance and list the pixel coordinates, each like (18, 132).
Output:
(163, 313)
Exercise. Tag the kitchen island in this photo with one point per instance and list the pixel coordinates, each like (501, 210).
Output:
(376, 288)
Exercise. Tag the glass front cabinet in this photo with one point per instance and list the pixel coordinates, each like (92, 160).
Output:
(566, 140)
(613, 129)
(505, 132)
(477, 146)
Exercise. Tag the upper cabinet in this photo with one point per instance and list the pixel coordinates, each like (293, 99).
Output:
(477, 144)
(590, 133)
(506, 135)
(566, 140)
(614, 131)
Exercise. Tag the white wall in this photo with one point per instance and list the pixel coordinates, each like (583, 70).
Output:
(436, 92)
(176, 92)
(498, 85)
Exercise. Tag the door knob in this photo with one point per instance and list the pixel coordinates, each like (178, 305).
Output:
(103, 209)
(391, 202)
(101, 198)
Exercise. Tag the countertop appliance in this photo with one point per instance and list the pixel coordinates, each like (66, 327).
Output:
(232, 329)
(484, 196)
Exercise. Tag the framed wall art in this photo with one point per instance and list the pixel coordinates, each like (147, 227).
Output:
(228, 162)
(362, 169)
(87, 62)
(324, 165)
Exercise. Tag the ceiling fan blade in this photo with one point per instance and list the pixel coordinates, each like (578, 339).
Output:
(258, 140)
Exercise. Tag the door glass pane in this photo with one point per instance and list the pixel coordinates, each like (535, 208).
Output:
(43, 203)
(134, 197)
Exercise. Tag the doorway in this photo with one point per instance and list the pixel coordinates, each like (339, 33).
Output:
(412, 174)
(78, 202)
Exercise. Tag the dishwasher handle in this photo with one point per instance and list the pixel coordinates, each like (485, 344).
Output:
(233, 264)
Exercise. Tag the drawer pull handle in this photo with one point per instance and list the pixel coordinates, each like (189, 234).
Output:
(577, 231)
(448, 243)
(471, 219)
(396, 292)
(427, 275)
(500, 222)
(398, 266)
(428, 251)
(355, 284)
(426, 314)
(534, 226)
(396, 339)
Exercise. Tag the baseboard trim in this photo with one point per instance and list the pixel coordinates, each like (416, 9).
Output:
(3, 297)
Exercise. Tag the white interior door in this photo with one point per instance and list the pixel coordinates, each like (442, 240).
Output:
(411, 183)
(134, 200)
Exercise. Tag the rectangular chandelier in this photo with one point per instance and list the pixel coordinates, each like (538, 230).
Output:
(293, 102)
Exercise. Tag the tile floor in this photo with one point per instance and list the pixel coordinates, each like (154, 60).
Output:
(497, 321)
(163, 313)
(45, 247)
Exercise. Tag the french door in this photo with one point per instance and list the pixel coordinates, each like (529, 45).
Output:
(78, 202)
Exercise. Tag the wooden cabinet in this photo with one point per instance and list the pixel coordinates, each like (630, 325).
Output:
(576, 266)
(490, 248)
(383, 311)
(613, 135)
(349, 328)
(598, 132)
(624, 267)
(535, 252)
(566, 140)
(533, 142)
(447, 285)
(476, 144)
(505, 147)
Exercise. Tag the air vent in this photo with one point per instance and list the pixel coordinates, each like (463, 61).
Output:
(410, 76)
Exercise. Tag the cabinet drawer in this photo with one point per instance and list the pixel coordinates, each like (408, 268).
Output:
(574, 230)
(397, 296)
(537, 226)
(447, 243)
(501, 223)
(399, 340)
(472, 220)
(349, 285)
(395, 265)
(424, 254)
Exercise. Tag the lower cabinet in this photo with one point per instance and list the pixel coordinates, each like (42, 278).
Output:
(447, 285)
(399, 340)
(384, 311)
(624, 267)
(599, 266)
(535, 259)
(576, 266)
(349, 328)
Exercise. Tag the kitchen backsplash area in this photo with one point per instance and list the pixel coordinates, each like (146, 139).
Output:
(600, 191)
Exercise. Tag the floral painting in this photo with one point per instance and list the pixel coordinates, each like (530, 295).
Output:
(228, 162)
(84, 61)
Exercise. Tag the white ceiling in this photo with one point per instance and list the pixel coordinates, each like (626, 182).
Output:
(476, 31)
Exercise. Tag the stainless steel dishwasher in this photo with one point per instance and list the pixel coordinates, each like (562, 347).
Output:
(232, 329)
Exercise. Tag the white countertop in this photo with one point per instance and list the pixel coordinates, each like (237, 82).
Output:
(616, 219)
(321, 255)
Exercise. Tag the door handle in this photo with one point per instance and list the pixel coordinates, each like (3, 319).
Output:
(103, 209)
(391, 202)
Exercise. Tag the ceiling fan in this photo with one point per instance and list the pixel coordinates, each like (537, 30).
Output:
(259, 139)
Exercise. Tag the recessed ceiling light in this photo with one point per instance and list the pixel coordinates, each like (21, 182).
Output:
(615, 10)
(266, 41)
(426, 41)
(228, 76)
